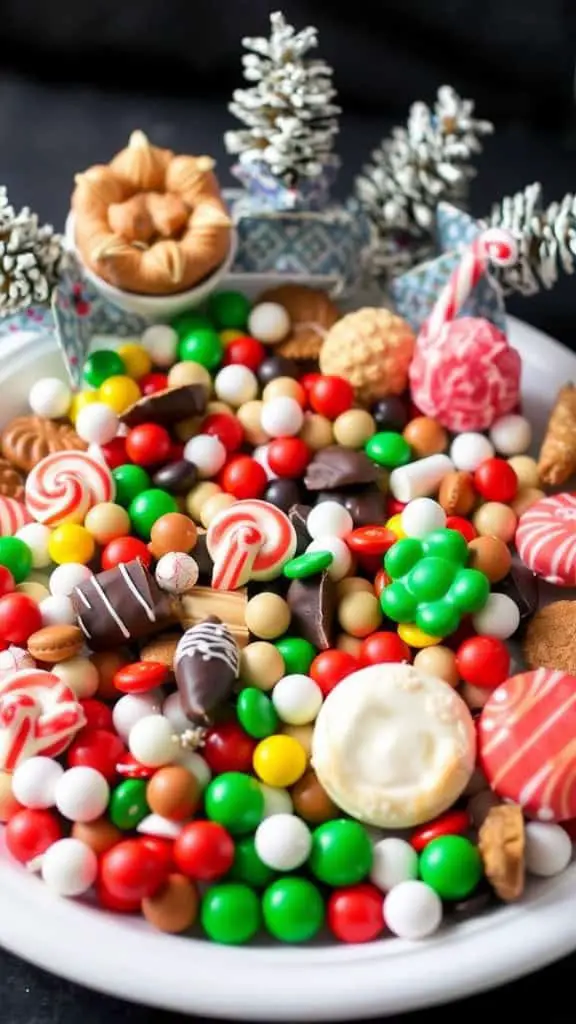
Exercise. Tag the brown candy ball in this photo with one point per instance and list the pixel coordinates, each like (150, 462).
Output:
(491, 556)
(196, 498)
(189, 373)
(218, 407)
(261, 665)
(8, 803)
(317, 431)
(526, 470)
(173, 793)
(425, 436)
(303, 734)
(250, 416)
(311, 801)
(174, 908)
(359, 613)
(457, 495)
(526, 497)
(99, 835)
(353, 428)
(267, 615)
(172, 532)
(107, 664)
(107, 521)
(439, 662)
(188, 428)
(474, 696)
(351, 644)
(496, 520)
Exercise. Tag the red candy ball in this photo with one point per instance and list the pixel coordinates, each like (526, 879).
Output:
(7, 581)
(96, 748)
(20, 616)
(98, 715)
(331, 396)
(483, 661)
(371, 540)
(226, 428)
(148, 444)
(132, 870)
(381, 580)
(228, 748)
(115, 452)
(129, 768)
(379, 648)
(246, 351)
(463, 526)
(394, 507)
(124, 549)
(453, 823)
(330, 667)
(355, 913)
(288, 456)
(109, 901)
(204, 851)
(495, 480)
(307, 381)
(140, 676)
(150, 383)
(29, 833)
(243, 477)
(161, 848)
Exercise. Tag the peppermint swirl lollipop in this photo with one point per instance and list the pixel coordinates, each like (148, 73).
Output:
(13, 516)
(250, 540)
(39, 714)
(65, 485)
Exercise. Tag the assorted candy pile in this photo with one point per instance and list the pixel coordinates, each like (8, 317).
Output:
(253, 620)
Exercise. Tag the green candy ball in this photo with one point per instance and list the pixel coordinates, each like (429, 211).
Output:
(438, 618)
(248, 867)
(102, 364)
(256, 713)
(293, 910)
(229, 310)
(430, 578)
(235, 801)
(191, 321)
(298, 654)
(230, 913)
(147, 507)
(341, 852)
(130, 482)
(128, 805)
(402, 557)
(388, 449)
(452, 866)
(202, 345)
(398, 603)
(448, 544)
(469, 591)
(16, 556)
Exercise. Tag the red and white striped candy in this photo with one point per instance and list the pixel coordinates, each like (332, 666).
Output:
(39, 714)
(13, 516)
(65, 485)
(527, 743)
(228, 540)
(546, 539)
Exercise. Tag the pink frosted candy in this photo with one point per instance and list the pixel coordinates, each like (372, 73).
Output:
(467, 376)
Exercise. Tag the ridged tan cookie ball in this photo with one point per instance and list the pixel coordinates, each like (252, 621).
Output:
(372, 348)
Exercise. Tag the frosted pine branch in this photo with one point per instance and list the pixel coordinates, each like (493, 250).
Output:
(30, 258)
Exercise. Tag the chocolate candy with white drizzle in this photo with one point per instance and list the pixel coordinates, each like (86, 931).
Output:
(120, 605)
(206, 666)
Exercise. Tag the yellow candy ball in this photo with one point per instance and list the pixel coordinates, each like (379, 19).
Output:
(80, 401)
(71, 543)
(230, 335)
(279, 761)
(135, 358)
(415, 637)
(119, 393)
(395, 524)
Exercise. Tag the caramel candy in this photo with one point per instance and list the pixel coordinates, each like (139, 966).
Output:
(501, 842)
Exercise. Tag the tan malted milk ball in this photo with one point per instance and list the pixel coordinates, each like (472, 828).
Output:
(99, 835)
(107, 521)
(353, 428)
(496, 520)
(317, 431)
(351, 585)
(359, 613)
(216, 504)
(351, 644)
(261, 665)
(491, 556)
(250, 416)
(217, 407)
(425, 437)
(526, 470)
(267, 615)
(526, 497)
(188, 428)
(197, 497)
(372, 348)
(284, 387)
(303, 734)
(439, 662)
(37, 591)
(80, 674)
(189, 373)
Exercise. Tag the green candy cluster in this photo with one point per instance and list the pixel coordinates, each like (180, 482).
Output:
(432, 588)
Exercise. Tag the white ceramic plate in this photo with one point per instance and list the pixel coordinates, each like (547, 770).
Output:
(124, 957)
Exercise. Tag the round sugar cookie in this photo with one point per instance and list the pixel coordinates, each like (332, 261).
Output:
(546, 539)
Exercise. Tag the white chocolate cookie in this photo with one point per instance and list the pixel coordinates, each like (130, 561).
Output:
(393, 747)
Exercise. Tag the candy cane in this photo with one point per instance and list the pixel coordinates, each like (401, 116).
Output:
(491, 246)
(236, 557)
(250, 540)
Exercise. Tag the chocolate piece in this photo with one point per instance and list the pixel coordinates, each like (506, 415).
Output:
(313, 604)
(176, 477)
(283, 493)
(522, 586)
(120, 605)
(206, 666)
(390, 413)
(276, 366)
(202, 558)
(335, 467)
(298, 515)
(476, 904)
(167, 407)
(366, 507)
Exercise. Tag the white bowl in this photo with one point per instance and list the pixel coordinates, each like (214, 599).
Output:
(155, 308)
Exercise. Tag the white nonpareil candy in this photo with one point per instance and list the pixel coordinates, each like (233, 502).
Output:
(419, 479)
(412, 910)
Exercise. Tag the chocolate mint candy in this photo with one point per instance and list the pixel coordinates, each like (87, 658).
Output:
(202, 558)
(120, 605)
(206, 666)
(367, 506)
(335, 467)
(298, 515)
(283, 493)
(313, 605)
(167, 407)
(522, 586)
(176, 477)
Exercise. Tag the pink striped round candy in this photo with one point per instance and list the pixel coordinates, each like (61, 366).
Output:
(546, 539)
(65, 485)
(250, 540)
(39, 714)
(13, 516)
(527, 743)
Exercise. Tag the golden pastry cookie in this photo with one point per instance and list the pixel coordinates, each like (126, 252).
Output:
(11, 481)
(161, 648)
(550, 639)
(55, 643)
(312, 313)
(28, 439)
(501, 843)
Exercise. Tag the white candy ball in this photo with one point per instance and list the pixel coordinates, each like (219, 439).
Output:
(177, 572)
(235, 384)
(69, 867)
(64, 578)
(97, 423)
(329, 519)
(511, 435)
(196, 764)
(156, 825)
(548, 849)
(468, 450)
(151, 741)
(79, 674)
(297, 699)
(422, 516)
(34, 782)
(412, 910)
(50, 397)
(207, 453)
(283, 842)
(82, 794)
(132, 707)
(172, 710)
(341, 556)
(282, 417)
(13, 659)
(36, 537)
(499, 617)
(161, 344)
(269, 322)
(260, 454)
(276, 801)
(394, 861)
(57, 611)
